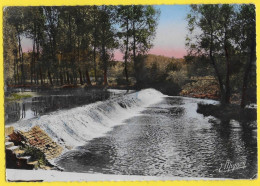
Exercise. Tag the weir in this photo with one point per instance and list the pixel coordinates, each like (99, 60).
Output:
(76, 126)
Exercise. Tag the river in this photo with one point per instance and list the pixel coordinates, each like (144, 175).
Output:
(169, 138)
(44, 102)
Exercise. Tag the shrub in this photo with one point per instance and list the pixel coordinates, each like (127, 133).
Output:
(36, 155)
(178, 77)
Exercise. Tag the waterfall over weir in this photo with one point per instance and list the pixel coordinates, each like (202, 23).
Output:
(76, 126)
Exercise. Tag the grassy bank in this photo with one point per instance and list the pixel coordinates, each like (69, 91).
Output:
(17, 96)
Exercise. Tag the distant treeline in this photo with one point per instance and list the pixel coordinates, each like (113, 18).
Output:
(76, 45)
(71, 44)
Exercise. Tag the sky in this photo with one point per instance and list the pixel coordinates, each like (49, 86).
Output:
(170, 34)
(171, 31)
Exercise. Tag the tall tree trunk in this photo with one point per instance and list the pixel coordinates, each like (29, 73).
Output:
(227, 93)
(247, 75)
(94, 50)
(88, 78)
(134, 48)
(14, 70)
(17, 72)
(80, 77)
(49, 76)
(36, 79)
(31, 71)
(126, 51)
(68, 77)
(105, 64)
(220, 82)
(71, 79)
(105, 77)
(21, 59)
(80, 74)
(104, 54)
(70, 50)
(32, 61)
(75, 78)
(95, 64)
(61, 79)
(212, 59)
(64, 77)
(37, 57)
(84, 78)
(41, 76)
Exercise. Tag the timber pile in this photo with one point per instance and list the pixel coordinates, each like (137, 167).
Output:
(37, 138)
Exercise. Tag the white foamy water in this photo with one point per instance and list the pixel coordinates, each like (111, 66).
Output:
(76, 126)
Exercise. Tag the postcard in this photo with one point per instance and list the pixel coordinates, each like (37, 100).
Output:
(133, 92)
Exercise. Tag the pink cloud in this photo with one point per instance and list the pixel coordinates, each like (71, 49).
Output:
(118, 55)
(169, 52)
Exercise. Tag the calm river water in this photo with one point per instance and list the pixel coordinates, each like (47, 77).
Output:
(48, 101)
(169, 139)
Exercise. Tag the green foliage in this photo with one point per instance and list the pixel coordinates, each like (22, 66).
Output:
(198, 66)
(137, 30)
(16, 96)
(68, 41)
(9, 48)
(222, 35)
(179, 77)
(36, 155)
(172, 67)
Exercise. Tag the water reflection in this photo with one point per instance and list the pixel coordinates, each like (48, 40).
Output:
(50, 101)
(169, 139)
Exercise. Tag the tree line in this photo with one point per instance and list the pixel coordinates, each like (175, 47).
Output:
(72, 45)
(70, 42)
(225, 36)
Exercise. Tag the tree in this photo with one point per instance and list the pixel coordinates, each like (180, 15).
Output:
(225, 33)
(83, 35)
(70, 42)
(138, 25)
(124, 17)
(10, 50)
(227, 20)
(15, 18)
(95, 35)
(143, 22)
(107, 37)
(246, 39)
(215, 24)
(50, 46)
(34, 29)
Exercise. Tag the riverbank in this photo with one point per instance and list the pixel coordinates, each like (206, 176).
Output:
(247, 116)
(19, 92)
(18, 96)
(47, 87)
(203, 88)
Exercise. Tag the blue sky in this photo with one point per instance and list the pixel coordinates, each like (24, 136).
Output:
(172, 13)
(171, 31)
